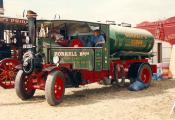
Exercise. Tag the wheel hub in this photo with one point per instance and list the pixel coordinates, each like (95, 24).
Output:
(145, 75)
(58, 88)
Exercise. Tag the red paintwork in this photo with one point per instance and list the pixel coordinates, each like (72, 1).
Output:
(163, 29)
(64, 43)
(8, 69)
(66, 65)
(154, 68)
(123, 65)
(76, 43)
(93, 76)
(59, 88)
(8, 72)
(38, 81)
(39, 77)
(145, 75)
(29, 81)
(15, 21)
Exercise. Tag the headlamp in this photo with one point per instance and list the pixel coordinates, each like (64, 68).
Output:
(56, 59)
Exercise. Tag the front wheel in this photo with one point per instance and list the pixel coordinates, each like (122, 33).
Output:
(54, 88)
(24, 85)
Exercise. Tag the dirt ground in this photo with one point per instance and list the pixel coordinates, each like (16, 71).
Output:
(94, 102)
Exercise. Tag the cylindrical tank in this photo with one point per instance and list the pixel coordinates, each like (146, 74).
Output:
(130, 39)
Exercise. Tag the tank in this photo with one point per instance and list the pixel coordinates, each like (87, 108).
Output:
(130, 39)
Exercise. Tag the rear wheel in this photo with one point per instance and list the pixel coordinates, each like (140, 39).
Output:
(145, 73)
(54, 88)
(24, 85)
(133, 71)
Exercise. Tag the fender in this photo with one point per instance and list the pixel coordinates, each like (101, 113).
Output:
(50, 68)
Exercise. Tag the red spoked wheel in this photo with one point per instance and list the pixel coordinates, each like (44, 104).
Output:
(54, 88)
(145, 73)
(24, 85)
(8, 72)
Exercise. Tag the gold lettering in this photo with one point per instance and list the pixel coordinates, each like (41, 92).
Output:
(65, 53)
(84, 53)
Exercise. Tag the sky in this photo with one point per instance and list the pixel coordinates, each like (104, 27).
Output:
(129, 11)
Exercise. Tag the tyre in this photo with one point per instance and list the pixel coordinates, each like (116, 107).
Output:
(55, 88)
(132, 80)
(145, 73)
(23, 85)
(133, 71)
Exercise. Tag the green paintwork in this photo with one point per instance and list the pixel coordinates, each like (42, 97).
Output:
(100, 56)
(130, 39)
(106, 50)
(98, 59)
(121, 43)
(79, 58)
(130, 54)
(44, 42)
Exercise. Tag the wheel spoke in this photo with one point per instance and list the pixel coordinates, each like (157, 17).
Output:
(4, 66)
(8, 72)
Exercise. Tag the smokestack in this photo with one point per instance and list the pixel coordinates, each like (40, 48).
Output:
(1, 7)
(31, 16)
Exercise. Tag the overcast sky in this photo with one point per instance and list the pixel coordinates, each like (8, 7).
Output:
(130, 11)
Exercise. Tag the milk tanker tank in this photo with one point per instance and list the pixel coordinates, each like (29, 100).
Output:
(130, 40)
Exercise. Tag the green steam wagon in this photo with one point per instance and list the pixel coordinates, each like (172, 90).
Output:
(59, 57)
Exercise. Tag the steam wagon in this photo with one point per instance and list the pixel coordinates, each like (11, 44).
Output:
(59, 57)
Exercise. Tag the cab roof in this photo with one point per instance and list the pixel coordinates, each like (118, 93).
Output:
(70, 21)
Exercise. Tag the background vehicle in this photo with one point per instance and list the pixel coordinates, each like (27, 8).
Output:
(12, 36)
(54, 63)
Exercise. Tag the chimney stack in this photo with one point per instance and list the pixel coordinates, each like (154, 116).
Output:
(31, 16)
